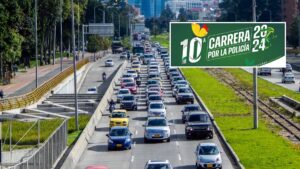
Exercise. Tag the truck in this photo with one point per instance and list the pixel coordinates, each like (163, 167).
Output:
(116, 47)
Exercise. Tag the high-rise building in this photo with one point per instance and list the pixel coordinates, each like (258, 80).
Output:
(151, 8)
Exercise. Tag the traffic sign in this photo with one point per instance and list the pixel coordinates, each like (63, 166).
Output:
(102, 29)
(235, 44)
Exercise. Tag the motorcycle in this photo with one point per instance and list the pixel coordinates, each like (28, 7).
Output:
(111, 108)
(104, 77)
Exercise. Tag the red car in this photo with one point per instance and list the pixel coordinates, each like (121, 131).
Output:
(97, 167)
(132, 87)
(125, 81)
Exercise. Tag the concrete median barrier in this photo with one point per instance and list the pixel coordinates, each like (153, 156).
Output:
(80, 145)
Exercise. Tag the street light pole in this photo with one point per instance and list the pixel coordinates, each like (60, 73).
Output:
(119, 27)
(255, 108)
(61, 20)
(36, 44)
(74, 67)
(78, 30)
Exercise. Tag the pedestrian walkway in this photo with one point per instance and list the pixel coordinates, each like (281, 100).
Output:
(24, 82)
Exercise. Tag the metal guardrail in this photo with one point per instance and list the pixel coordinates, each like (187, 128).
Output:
(35, 95)
(49, 152)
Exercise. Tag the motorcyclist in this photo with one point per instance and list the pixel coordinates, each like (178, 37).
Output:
(103, 76)
(111, 105)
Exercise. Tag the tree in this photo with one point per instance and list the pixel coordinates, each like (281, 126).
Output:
(182, 17)
(294, 36)
(166, 16)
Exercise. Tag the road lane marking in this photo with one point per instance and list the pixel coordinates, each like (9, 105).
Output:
(174, 131)
(132, 158)
(136, 132)
(179, 157)
(177, 144)
(134, 144)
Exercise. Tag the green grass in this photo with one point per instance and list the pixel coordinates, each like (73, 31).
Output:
(257, 149)
(266, 89)
(73, 134)
(163, 39)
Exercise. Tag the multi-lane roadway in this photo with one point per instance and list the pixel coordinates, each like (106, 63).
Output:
(180, 152)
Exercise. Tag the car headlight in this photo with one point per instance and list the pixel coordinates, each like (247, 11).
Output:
(189, 128)
(127, 140)
(110, 141)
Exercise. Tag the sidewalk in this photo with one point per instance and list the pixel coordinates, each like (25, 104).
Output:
(25, 82)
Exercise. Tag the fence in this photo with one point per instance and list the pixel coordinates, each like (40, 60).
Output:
(35, 95)
(48, 153)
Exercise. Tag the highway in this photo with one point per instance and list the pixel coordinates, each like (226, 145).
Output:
(276, 78)
(180, 152)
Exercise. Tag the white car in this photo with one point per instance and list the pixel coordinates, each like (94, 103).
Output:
(157, 109)
(121, 93)
(109, 63)
(133, 72)
(208, 156)
(92, 90)
(157, 128)
(288, 78)
(153, 164)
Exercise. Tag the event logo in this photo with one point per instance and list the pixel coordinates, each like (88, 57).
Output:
(245, 44)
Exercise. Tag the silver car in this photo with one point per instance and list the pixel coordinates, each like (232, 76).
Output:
(109, 63)
(208, 156)
(157, 109)
(288, 78)
(121, 93)
(157, 128)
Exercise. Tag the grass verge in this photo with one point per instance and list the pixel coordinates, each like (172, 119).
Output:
(73, 134)
(261, 148)
(266, 89)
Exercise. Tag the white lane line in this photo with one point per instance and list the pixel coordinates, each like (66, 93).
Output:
(179, 157)
(136, 132)
(132, 158)
(134, 144)
(177, 144)
(174, 131)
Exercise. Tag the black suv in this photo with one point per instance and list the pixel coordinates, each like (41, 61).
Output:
(198, 124)
(187, 109)
(183, 95)
(128, 102)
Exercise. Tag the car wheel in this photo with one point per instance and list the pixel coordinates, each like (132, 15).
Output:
(198, 167)
(187, 137)
(129, 148)
(193, 102)
(145, 140)
(211, 136)
(108, 149)
(169, 139)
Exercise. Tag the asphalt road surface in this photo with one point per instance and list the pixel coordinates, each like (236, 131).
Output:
(276, 78)
(180, 152)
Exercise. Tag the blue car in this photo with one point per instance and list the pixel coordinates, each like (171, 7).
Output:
(119, 137)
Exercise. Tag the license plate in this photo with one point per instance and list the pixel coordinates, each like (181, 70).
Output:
(119, 145)
(157, 135)
(209, 165)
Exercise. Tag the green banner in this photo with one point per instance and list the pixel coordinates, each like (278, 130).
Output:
(226, 44)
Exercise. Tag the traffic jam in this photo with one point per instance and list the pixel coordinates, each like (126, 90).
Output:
(149, 84)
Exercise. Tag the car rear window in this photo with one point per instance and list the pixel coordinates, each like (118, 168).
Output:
(198, 118)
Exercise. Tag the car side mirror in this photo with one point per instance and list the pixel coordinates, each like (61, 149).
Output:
(107, 135)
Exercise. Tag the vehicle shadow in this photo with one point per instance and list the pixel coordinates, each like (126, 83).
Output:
(98, 148)
(176, 121)
(140, 140)
(106, 129)
(140, 118)
(182, 137)
(185, 167)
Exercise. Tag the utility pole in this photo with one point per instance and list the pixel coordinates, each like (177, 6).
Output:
(255, 109)
(78, 29)
(61, 29)
(74, 67)
(36, 44)
(154, 19)
(54, 44)
(119, 27)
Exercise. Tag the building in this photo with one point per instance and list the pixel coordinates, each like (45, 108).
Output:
(204, 9)
(151, 8)
(290, 12)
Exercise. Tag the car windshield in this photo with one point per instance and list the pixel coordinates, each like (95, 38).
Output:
(135, 66)
(118, 115)
(118, 132)
(154, 89)
(154, 98)
(208, 150)
(123, 92)
(156, 106)
(127, 75)
(91, 89)
(127, 80)
(177, 78)
(191, 108)
(184, 90)
(198, 118)
(129, 84)
(153, 82)
(128, 98)
(158, 166)
(152, 93)
(157, 122)
(182, 82)
(109, 61)
(131, 71)
(148, 56)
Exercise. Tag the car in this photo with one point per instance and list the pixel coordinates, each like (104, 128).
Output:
(119, 137)
(92, 90)
(96, 167)
(288, 68)
(127, 75)
(198, 123)
(128, 102)
(208, 155)
(183, 95)
(164, 55)
(157, 89)
(123, 55)
(153, 64)
(154, 67)
(264, 71)
(175, 79)
(288, 78)
(189, 108)
(176, 87)
(121, 93)
(156, 109)
(154, 98)
(182, 82)
(153, 82)
(158, 164)
(174, 74)
(136, 62)
(163, 51)
(172, 70)
(149, 93)
(109, 63)
(147, 58)
(157, 128)
(132, 87)
(154, 75)
(133, 72)
(126, 80)
(118, 118)
(136, 68)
